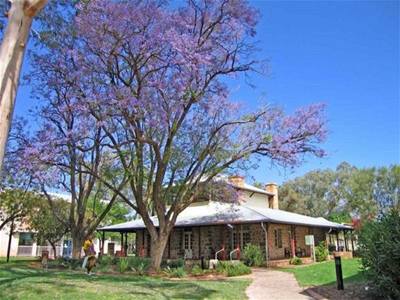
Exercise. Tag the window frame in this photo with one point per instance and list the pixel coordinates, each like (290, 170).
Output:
(278, 238)
(189, 241)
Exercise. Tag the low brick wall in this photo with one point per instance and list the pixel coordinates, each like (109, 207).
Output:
(286, 262)
(342, 254)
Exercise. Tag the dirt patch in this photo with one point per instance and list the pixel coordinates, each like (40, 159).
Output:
(207, 277)
(351, 292)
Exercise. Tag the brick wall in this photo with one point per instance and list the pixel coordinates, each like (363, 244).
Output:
(273, 250)
(211, 238)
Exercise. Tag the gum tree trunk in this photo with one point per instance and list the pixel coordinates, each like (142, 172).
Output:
(12, 52)
(77, 244)
(157, 250)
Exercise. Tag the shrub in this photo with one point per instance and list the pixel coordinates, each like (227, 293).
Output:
(75, 263)
(175, 272)
(123, 264)
(174, 264)
(321, 252)
(140, 269)
(379, 248)
(197, 270)
(232, 269)
(295, 261)
(106, 260)
(253, 255)
(139, 263)
(60, 262)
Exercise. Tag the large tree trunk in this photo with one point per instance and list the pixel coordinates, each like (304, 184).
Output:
(157, 250)
(12, 52)
(77, 244)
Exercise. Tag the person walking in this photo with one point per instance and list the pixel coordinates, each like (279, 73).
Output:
(90, 255)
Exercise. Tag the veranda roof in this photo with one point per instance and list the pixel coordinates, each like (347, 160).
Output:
(223, 213)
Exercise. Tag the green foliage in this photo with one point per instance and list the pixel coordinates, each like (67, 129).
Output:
(123, 264)
(253, 255)
(118, 214)
(340, 217)
(16, 204)
(175, 272)
(106, 260)
(321, 252)
(50, 223)
(232, 269)
(75, 264)
(344, 192)
(379, 247)
(197, 270)
(173, 263)
(296, 261)
(140, 265)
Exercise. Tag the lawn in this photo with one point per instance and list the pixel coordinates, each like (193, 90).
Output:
(324, 273)
(19, 281)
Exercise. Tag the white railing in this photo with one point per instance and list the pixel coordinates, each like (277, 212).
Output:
(25, 251)
(37, 250)
(59, 250)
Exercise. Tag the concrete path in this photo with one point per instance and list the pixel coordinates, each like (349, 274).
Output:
(274, 285)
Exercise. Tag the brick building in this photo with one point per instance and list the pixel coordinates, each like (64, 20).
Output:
(212, 229)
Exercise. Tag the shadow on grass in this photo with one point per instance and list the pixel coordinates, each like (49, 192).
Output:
(17, 280)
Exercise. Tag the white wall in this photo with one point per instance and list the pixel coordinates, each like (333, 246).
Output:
(254, 199)
(4, 242)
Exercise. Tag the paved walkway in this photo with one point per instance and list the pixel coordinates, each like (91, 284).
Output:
(274, 285)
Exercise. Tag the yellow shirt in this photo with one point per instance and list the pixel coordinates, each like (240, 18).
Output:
(87, 245)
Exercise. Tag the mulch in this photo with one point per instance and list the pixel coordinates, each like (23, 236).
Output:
(355, 291)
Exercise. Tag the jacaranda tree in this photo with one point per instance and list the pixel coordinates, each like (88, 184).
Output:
(149, 80)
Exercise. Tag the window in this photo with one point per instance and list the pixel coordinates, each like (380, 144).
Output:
(187, 239)
(25, 239)
(278, 238)
(246, 237)
(241, 237)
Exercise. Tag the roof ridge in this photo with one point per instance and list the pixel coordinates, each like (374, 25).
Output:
(256, 211)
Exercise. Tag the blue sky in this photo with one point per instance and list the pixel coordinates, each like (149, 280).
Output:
(342, 53)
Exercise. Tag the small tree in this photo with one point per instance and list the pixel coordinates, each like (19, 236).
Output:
(49, 222)
(321, 252)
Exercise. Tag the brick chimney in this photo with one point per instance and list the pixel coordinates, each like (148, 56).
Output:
(272, 200)
(236, 180)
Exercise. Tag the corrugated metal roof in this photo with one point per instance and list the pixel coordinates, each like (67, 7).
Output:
(251, 188)
(222, 213)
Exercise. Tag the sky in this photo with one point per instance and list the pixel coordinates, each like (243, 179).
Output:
(342, 53)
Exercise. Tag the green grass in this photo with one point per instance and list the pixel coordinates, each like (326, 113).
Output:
(19, 281)
(324, 273)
